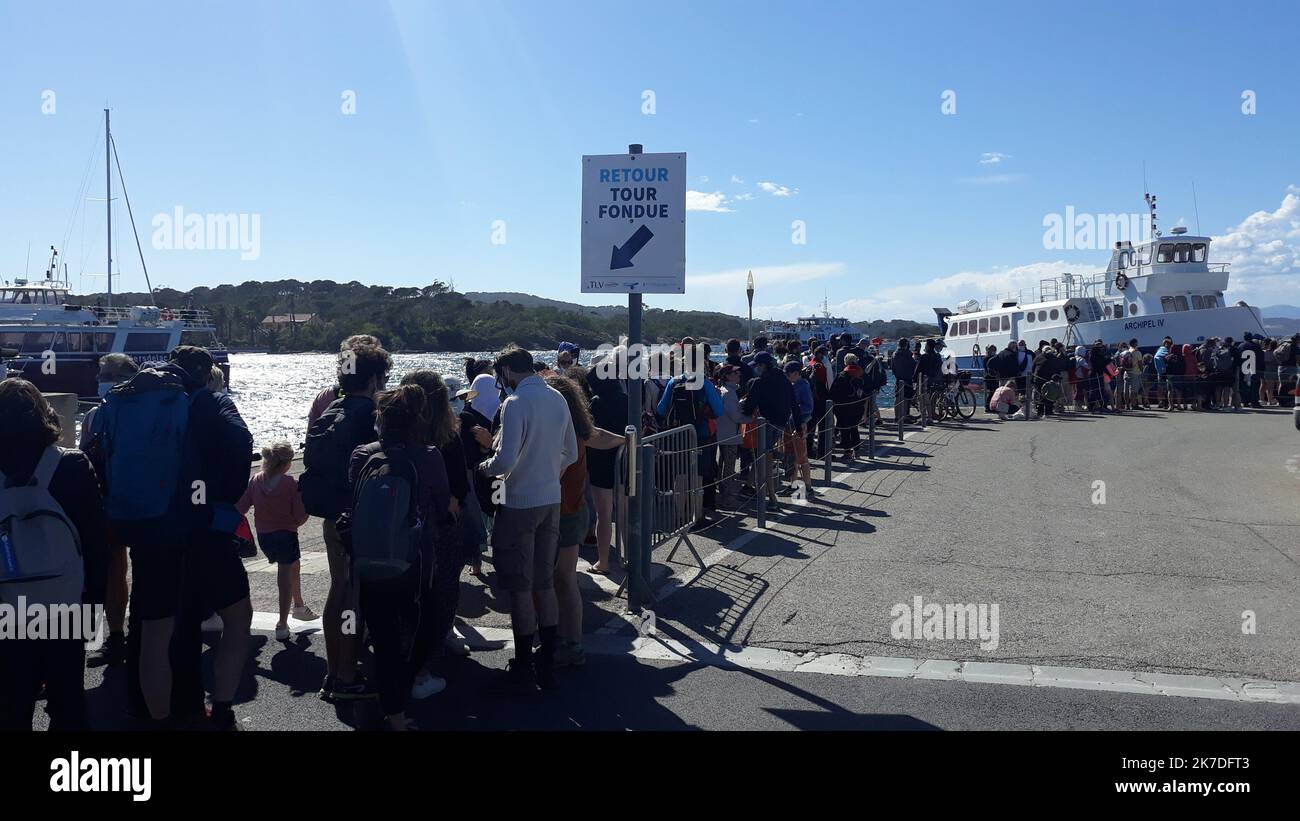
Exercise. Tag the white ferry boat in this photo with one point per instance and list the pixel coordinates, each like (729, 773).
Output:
(809, 327)
(49, 339)
(1165, 286)
(52, 341)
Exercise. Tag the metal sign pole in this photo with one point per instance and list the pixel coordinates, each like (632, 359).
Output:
(634, 386)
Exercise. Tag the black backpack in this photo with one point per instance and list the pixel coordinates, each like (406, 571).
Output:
(383, 529)
(873, 375)
(346, 424)
(685, 407)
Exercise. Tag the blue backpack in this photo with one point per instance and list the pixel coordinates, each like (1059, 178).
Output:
(140, 434)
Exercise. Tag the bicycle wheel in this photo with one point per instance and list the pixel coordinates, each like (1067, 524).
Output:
(938, 407)
(965, 403)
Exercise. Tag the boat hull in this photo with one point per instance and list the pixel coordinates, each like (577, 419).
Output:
(1186, 327)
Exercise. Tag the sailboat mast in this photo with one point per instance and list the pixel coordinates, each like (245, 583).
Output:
(108, 202)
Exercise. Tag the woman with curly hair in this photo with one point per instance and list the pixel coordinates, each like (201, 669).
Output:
(573, 519)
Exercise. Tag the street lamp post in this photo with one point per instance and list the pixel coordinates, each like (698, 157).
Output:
(749, 292)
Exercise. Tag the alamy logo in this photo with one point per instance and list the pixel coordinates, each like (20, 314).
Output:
(126, 775)
(946, 622)
(1092, 232)
(33, 620)
(208, 232)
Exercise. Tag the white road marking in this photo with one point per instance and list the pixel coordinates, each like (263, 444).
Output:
(659, 648)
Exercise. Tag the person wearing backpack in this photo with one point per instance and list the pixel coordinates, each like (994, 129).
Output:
(328, 395)
(163, 430)
(51, 527)
(533, 446)
(691, 399)
(400, 500)
(346, 424)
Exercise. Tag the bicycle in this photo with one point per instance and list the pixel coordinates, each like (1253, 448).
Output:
(951, 401)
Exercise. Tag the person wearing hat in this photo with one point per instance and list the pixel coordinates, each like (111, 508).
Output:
(566, 356)
(795, 435)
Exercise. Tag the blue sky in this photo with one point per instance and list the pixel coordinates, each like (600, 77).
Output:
(830, 113)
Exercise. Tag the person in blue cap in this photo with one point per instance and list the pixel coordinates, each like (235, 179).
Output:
(566, 356)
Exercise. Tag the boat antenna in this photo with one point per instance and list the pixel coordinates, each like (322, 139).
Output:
(134, 232)
(1197, 207)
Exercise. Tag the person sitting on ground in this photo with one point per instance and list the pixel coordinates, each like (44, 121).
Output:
(1004, 400)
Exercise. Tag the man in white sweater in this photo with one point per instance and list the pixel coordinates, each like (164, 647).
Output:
(533, 446)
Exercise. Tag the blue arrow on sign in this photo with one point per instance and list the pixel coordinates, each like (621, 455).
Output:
(622, 257)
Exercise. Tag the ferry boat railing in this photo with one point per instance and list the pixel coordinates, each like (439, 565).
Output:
(187, 317)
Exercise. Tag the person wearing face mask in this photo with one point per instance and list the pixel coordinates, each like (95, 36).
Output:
(532, 447)
(114, 369)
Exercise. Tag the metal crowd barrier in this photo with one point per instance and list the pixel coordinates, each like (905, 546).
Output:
(665, 481)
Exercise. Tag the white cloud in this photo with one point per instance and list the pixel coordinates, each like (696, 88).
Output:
(993, 157)
(777, 190)
(743, 197)
(704, 201)
(737, 180)
(704, 179)
(754, 121)
(1263, 251)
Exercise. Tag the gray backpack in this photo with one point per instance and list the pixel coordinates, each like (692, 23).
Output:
(385, 524)
(40, 550)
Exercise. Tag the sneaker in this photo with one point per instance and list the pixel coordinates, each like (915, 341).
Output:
(456, 645)
(570, 654)
(327, 689)
(302, 612)
(427, 685)
(356, 690)
(212, 624)
(282, 632)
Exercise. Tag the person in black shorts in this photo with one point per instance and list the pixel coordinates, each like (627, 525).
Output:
(182, 576)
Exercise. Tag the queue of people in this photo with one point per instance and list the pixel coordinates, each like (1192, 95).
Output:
(413, 483)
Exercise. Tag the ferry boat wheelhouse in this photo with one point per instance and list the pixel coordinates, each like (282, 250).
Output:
(1166, 286)
(50, 340)
(809, 327)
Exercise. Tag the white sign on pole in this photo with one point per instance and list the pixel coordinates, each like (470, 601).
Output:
(634, 223)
